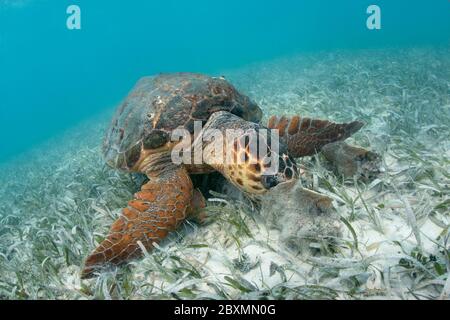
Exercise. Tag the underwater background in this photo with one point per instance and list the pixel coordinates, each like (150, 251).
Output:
(59, 88)
(52, 77)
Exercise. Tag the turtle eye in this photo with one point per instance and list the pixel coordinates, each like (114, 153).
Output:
(269, 181)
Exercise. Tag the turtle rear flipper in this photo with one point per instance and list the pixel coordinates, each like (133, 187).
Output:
(306, 136)
(161, 205)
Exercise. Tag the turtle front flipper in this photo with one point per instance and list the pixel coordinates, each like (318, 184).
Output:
(306, 136)
(161, 205)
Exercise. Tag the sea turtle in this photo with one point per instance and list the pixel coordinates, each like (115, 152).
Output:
(140, 140)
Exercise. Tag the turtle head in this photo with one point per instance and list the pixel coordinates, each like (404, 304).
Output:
(249, 155)
(257, 170)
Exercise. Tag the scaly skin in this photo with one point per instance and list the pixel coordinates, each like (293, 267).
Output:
(305, 136)
(161, 205)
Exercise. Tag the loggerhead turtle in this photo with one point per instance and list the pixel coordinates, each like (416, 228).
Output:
(139, 140)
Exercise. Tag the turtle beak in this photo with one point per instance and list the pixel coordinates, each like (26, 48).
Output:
(287, 172)
(269, 181)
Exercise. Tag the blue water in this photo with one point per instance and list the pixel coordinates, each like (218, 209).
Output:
(51, 77)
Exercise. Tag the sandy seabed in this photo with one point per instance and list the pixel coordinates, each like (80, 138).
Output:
(58, 200)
